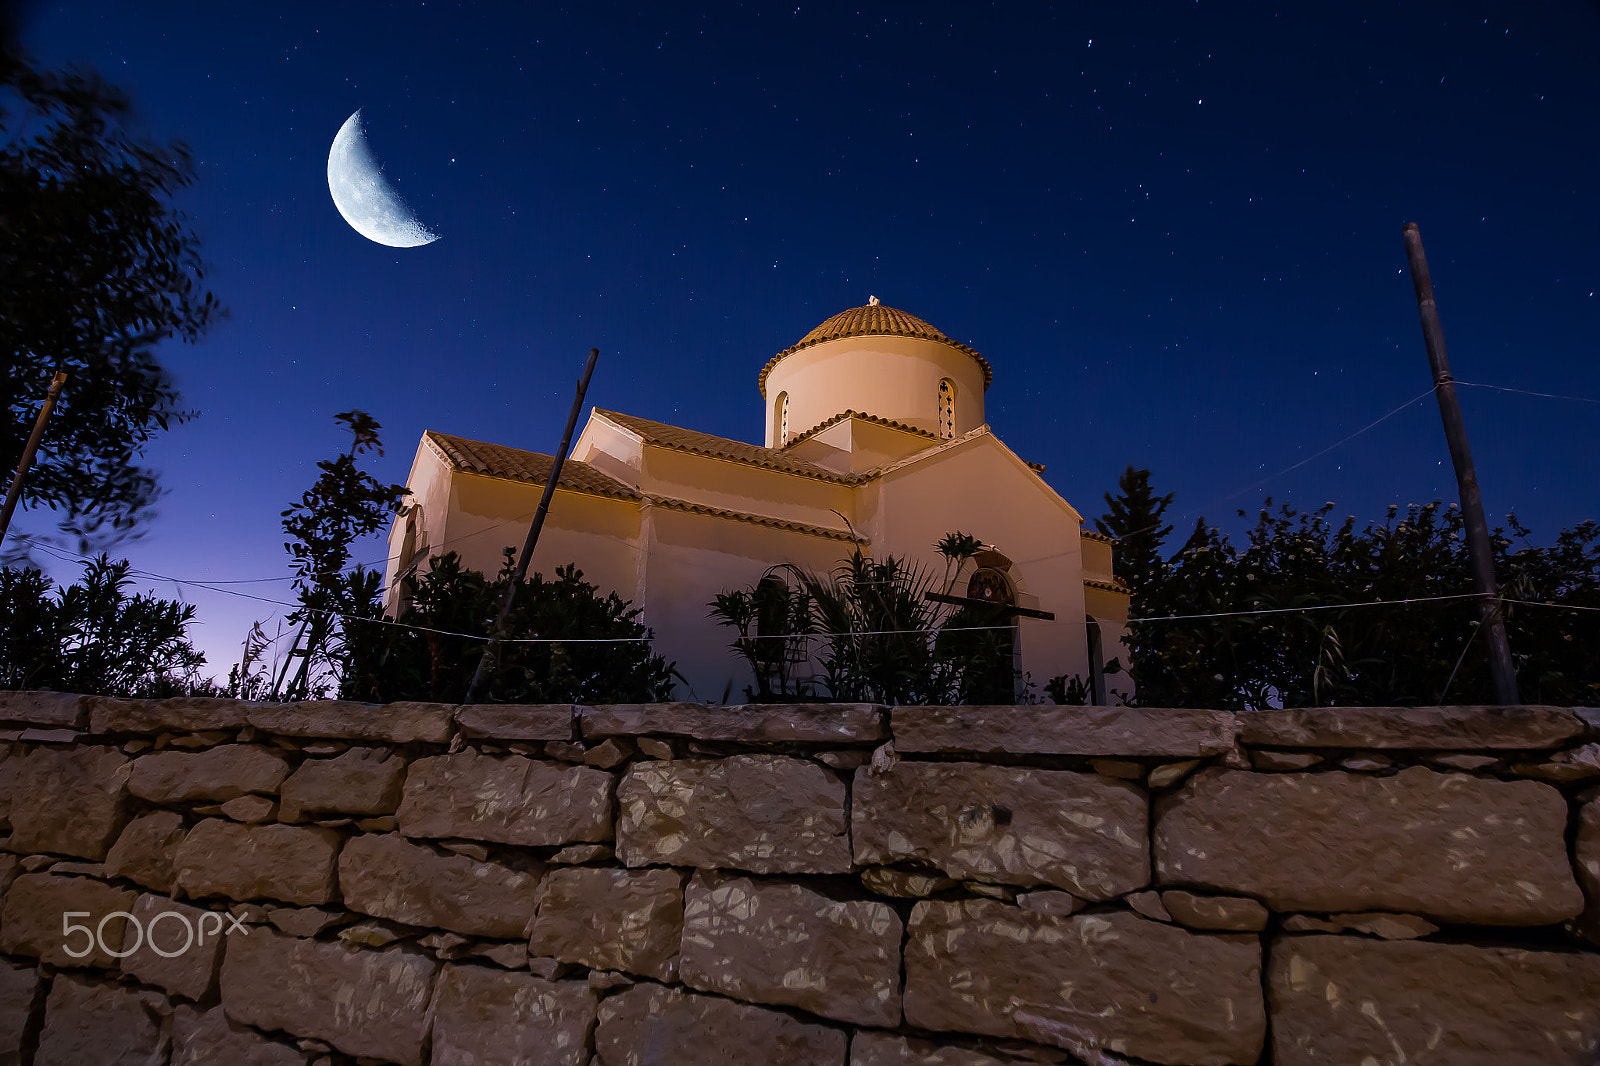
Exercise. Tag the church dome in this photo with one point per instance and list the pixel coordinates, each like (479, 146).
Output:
(880, 362)
(875, 320)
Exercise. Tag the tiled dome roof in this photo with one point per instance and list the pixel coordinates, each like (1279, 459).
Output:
(874, 320)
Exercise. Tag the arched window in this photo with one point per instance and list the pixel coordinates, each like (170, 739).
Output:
(947, 409)
(780, 419)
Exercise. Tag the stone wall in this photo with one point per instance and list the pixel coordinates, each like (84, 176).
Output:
(327, 883)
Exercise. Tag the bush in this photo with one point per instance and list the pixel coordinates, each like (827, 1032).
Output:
(594, 650)
(882, 640)
(93, 638)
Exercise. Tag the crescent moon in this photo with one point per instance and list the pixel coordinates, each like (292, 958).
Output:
(364, 196)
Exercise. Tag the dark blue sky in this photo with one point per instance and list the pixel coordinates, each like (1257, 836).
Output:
(1173, 228)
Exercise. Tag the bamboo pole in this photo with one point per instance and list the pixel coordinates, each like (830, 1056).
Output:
(15, 492)
(491, 652)
(1501, 669)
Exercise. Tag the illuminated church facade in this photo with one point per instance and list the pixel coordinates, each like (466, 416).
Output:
(875, 432)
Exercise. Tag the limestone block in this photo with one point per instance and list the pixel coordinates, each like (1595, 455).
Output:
(1342, 999)
(363, 1002)
(1463, 761)
(1286, 760)
(1050, 901)
(888, 1049)
(786, 945)
(394, 723)
(1123, 769)
(1127, 731)
(1444, 845)
(578, 854)
(293, 864)
(606, 919)
(907, 884)
(251, 809)
(176, 953)
(765, 723)
(88, 1022)
(304, 921)
(512, 800)
(208, 1038)
(651, 1025)
(1168, 774)
(1222, 913)
(32, 921)
(1113, 981)
(1149, 904)
(20, 988)
(8, 783)
(1387, 926)
(1013, 824)
(388, 876)
(610, 753)
(39, 707)
(358, 781)
(145, 850)
(220, 773)
(518, 721)
(1304, 923)
(69, 801)
(1435, 728)
(1586, 858)
(484, 1017)
(182, 714)
(762, 813)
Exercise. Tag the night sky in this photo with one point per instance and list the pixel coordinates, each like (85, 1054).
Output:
(1174, 229)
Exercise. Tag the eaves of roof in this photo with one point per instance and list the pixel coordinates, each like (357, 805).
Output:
(515, 464)
(877, 420)
(754, 519)
(662, 435)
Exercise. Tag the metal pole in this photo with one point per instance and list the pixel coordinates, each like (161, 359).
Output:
(491, 651)
(28, 449)
(1501, 669)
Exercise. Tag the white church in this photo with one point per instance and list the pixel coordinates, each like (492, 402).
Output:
(875, 432)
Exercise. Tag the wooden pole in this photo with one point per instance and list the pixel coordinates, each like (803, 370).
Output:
(1501, 669)
(491, 652)
(28, 449)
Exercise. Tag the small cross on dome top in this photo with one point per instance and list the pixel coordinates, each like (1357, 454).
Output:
(872, 301)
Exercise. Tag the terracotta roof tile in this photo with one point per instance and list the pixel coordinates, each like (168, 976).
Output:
(755, 519)
(874, 320)
(497, 460)
(697, 443)
(875, 419)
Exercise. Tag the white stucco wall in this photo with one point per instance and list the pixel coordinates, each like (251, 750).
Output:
(694, 557)
(978, 486)
(891, 377)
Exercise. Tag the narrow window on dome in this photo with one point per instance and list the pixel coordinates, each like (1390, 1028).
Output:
(947, 409)
(780, 418)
